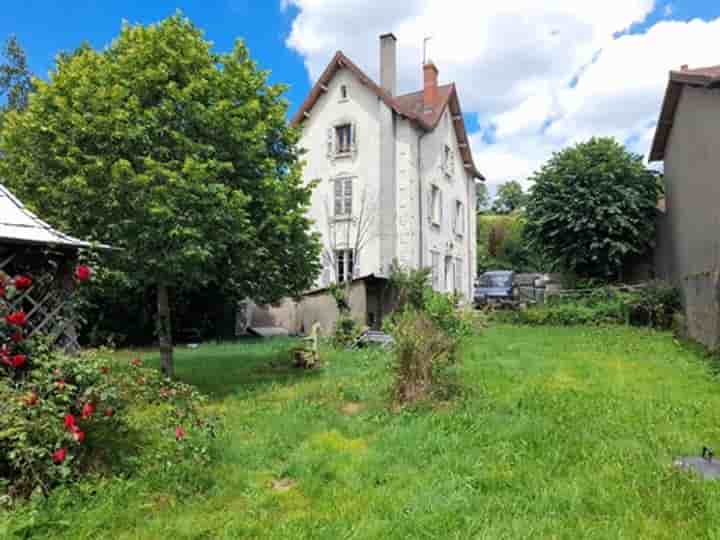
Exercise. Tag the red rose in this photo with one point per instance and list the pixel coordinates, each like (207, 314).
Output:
(179, 433)
(60, 384)
(109, 412)
(104, 370)
(18, 361)
(59, 455)
(136, 362)
(17, 318)
(87, 410)
(69, 421)
(82, 272)
(22, 282)
(32, 399)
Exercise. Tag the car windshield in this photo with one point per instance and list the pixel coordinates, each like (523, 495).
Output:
(495, 280)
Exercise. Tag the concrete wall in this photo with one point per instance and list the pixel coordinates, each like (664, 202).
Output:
(692, 235)
(298, 317)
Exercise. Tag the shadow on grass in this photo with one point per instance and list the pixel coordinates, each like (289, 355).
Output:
(244, 367)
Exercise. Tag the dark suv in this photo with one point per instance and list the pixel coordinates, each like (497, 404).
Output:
(496, 288)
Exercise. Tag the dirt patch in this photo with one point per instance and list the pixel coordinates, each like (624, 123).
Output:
(283, 484)
(351, 407)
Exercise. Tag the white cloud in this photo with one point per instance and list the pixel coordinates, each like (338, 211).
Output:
(541, 74)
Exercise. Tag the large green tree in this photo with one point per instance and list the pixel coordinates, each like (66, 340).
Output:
(592, 206)
(510, 197)
(178, 157)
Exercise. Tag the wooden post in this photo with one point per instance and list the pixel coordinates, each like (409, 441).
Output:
(165, 331)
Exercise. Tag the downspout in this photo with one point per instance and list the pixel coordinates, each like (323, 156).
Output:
(420, 200)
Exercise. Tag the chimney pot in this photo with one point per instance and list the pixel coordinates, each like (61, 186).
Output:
(430, 86)
(388, 63)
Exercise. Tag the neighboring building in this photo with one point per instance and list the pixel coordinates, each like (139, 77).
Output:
(687, 139)
(395, 181)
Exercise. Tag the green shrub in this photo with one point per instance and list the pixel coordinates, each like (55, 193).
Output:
(63, 417)
(655, 305)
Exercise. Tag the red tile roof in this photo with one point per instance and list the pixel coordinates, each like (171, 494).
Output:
(707, 77)
(410, 106)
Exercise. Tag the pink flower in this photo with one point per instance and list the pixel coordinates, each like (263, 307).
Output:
(70, 421)
(179, 433)
(82, 272)
(59, 455)
(78, 435)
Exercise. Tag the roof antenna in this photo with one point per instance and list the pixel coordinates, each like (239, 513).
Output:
(425, 48)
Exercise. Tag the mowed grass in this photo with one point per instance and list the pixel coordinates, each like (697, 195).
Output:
(556, 433)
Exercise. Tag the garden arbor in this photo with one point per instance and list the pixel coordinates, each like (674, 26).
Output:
(30, 246)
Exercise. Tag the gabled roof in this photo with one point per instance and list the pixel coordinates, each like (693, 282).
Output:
(409, 106)
(706, 77)
(20, 226)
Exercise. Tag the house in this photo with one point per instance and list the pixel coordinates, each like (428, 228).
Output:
(395, 182)
(687, 140)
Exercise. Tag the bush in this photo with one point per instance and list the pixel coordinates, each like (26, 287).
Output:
(428, 329)
(653, 305)
(61, 416)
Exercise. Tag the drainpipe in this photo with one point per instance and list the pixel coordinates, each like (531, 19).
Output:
(420, 200)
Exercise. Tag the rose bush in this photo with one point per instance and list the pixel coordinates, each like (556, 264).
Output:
(63, 417)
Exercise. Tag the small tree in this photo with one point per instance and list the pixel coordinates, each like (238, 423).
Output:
(15, 76)
(592, 206)
(510, 197)
(179, 157)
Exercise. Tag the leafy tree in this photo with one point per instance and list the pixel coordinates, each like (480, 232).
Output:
(179, 157)
(592, 206)
(15, 76)
(482, 197)
(510, 197)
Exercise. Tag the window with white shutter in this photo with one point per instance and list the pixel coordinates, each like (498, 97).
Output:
(345, 260)
(459, 218)
(435, 205)
(342, 197)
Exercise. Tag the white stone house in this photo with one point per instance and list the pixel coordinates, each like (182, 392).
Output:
(395, 178)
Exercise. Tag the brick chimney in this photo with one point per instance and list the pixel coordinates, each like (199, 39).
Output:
(388, 63)
(430, 86)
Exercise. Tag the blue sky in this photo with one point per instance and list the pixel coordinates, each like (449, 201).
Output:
(533, 76)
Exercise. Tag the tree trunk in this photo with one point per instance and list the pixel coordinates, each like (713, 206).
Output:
(165, 332)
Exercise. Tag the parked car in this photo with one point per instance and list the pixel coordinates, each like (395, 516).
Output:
(496, 288)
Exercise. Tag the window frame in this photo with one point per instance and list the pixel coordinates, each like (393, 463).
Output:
(459, 218)
(346, 148)
(342, 197)
(436, 209)
(344, 264)
(435, 269)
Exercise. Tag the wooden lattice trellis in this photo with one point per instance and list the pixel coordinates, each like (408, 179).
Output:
(48, 302)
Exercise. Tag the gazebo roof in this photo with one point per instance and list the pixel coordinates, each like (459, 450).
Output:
(20, 226)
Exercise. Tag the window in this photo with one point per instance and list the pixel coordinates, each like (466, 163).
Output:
(459, 218)
(343, 197)
(449, 274)
(435, 205)
(345, 261)
(448, 161)
(343, 92)
(458, 274)
(435, 267)
(343, 139)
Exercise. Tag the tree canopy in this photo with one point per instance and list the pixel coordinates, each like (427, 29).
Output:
(592, 206)
(510, 197)
(180, 158)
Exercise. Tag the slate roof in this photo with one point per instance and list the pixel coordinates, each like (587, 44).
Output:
(20, 226)
(706, 77)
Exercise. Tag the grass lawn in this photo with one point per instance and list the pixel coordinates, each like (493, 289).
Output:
(557, 433)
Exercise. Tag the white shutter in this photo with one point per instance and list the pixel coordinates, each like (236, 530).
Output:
(348, 195)
(330, 144)
(440, 203)
(431, 207)
(338, 209)
(353, 137)
(455, 218)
